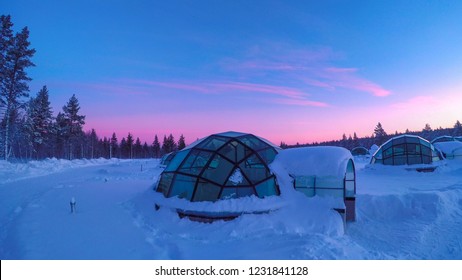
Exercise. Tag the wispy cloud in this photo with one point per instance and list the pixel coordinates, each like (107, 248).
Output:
(314, 68)
(286, 95)
(418, 101)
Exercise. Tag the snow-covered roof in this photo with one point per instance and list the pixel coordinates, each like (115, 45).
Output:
(320, 161)
(444, 138)
(453, 148)
(373, 149)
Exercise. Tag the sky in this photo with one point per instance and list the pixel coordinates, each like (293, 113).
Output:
(291, 71)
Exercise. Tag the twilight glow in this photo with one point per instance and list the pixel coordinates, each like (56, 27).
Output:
(292, 71)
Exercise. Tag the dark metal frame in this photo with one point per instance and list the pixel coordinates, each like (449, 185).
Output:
(200, 178)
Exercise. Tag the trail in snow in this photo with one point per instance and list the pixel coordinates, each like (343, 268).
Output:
(401, 215)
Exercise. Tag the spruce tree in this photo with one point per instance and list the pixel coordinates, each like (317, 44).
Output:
(130, 145)
(181, 143)
(73, 124)
(39, 123)
(138, 148)
(457, 129)
(156, 147)
(92, 139)
(124, 150)
(380, 134)
(113, 145)
(15, 57)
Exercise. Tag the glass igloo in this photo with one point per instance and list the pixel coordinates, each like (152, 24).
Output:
(221, 166)
(406, 150)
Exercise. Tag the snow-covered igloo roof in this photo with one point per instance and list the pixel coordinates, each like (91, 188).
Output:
(450, 148)
(319, 161)
(444, 138)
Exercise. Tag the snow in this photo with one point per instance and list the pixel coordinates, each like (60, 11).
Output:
(315, 161)
(401, 214)
(450, 148)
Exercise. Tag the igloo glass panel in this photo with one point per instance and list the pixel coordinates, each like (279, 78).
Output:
(414, 159)
(399, 140)
(237, 179)
(400, 160)
(414, 140)
(164, 183)
(349, 189)
(399, 149)
(254, 169)
(206, 191)
(426, 159)
(218, 170)
(268, 154)
(426, 151)
(213, 143)
(267, 188)
(234, 151)
(350, 171)
(387, 153)
(195, 162)
(388, 161)
(413, 149)
(253, 142)
(183, 186)
(176, 161)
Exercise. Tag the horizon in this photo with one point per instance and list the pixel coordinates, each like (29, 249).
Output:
(288, 72)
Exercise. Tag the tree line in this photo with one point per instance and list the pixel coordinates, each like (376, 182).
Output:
(380, 136)
(28, 129)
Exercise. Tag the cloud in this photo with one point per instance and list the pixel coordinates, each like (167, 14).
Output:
(415, 102)
(314, 67)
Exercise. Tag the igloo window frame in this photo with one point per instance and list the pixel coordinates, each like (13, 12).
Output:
(219, 162)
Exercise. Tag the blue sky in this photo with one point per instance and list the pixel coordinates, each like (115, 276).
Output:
(293, 71)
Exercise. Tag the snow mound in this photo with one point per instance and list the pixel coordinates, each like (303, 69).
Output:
(315, 161)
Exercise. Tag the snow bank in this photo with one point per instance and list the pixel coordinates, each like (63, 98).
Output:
(10, 172)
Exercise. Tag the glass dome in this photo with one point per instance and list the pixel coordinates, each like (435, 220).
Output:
(405, 149)
(221, 166)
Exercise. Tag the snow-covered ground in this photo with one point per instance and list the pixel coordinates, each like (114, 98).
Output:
(400, 215)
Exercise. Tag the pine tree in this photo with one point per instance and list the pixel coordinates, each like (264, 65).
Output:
(427, 128)
(73, 124)
(92, 142)
(181, 142)
(39, 123)
(124, 150)
(457, 129)
(113, 145)
(15, 57)
(165, 148)
(380, 134)
(6, 41)
(146, 151)
(103, 147)
(156, 147)
(169, 144)
(355, 140)
(130, 145)
(138, 148)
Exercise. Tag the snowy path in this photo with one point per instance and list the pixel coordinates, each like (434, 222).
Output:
(401, 215)
(37, 223)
